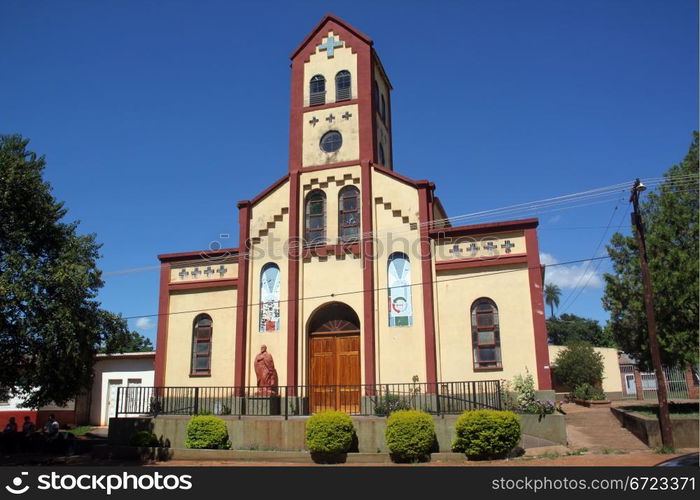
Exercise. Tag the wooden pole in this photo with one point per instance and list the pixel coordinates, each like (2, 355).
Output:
(664, 416)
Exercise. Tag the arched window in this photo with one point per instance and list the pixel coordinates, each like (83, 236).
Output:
(315, 228)
(343, 91)
(201, 345)
(317, 90)
(381, 155)
(486, 339)
(382, 108)
(349, 213)
(270, 298)
(399, 281)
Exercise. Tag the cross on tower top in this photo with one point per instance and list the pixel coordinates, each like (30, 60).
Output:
(330, 45)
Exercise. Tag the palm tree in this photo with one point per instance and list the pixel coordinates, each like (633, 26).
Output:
(551, 296)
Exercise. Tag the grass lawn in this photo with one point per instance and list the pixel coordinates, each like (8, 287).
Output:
(81, 430)
(677, 410)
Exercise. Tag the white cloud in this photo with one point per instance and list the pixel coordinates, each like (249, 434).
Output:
(571, 276)
(145, 324)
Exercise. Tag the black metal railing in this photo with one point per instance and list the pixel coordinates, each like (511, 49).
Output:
(441, 398)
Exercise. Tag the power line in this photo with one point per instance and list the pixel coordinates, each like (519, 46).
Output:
(592, 197)
(377, 289)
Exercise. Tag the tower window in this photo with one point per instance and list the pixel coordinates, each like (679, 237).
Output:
(315, 223)
(381, 155)
(317, 90)
(382, 108)
(343, 90)
(349, 213)
(331, 141)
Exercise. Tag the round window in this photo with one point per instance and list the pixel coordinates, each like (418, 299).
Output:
(331, 141)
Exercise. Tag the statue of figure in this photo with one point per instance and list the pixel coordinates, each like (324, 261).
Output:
(266, 373)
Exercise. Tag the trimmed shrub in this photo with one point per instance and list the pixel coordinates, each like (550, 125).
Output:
(207, 432)
(410, 435)
(589, 392)
(329, 433)
(578, 364)
(143, 439)
(485, 434)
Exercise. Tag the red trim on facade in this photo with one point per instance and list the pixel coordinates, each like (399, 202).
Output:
(401, 178)
(314, 168)
(437, 204)
(198, 255)
(329, 105)
(162, 334)
(201, 284)
(425, 193)
(368, 273)
(544, 377)
(501, 260)
(296, 132)
(336, 23)
(366, 131)
(490, 227)
(293, 283)
(269, 190)
(242, 295)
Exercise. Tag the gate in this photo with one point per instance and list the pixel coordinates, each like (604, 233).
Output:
(676, 384)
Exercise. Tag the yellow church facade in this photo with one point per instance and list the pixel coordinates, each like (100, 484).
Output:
(347, 271)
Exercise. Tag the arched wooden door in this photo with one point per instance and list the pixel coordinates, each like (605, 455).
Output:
(334, 359)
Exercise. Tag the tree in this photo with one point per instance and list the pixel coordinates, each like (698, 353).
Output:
(51, 324)
(670, 216)
(569, 328)
(552, 293)
(135, 342)
(578, 364)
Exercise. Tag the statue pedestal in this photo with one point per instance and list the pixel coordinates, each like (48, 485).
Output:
(263, 405)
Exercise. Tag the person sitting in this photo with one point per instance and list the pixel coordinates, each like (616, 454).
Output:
(28, 427)
(27, 436)
(51, 428)
(9, 435)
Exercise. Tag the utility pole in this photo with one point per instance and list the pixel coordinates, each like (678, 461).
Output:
(664, 417)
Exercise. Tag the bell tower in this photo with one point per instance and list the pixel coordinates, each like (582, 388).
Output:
(340, 100)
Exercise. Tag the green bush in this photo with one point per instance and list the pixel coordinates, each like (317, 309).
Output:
(484, 434)
(578, 364)
(389, 404)
(207, 432)
(410, 434)
(329, 433)
(589, 392)
(144, 439)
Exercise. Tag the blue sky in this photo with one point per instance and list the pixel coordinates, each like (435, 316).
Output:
(156, 117)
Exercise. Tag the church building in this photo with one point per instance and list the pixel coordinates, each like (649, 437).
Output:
(349, 272)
